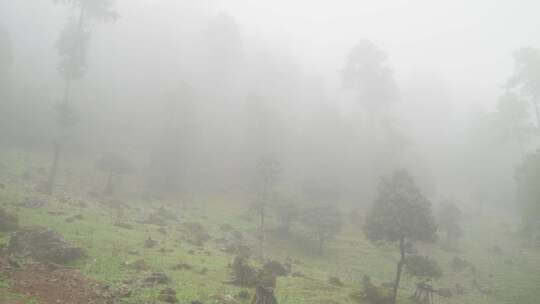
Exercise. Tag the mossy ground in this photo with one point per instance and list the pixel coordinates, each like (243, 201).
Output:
(511, 277)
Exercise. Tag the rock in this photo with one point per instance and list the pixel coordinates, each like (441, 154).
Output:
(238, 235)
(56, 213)
(123, 225)
(155, 279)
(226, 227)
(224, 299)
(149, 243)
(197, 234)
(182, 266)
(298, 274)
(13, 263)
(444, 292)
(162, 230)
(139, 265)
(43, 244)
(459, 289)
(160, 217)
(196, 302)
(243, 295)
(275, 268)
(168, 295)
(33, 202)
(237, 249)
(164, 250)
(71, 219)
(123, 291)
(8, 222)
(459, 264)
(335, 281)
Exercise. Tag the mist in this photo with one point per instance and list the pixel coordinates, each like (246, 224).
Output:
(278, 151)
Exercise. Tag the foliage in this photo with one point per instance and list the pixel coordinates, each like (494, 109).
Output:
(325, 220)
(423, 267)
(95, 9)
(401, 214)
(512, 119)
(243, 274)
(526, 71)
(6, 50)
(287, 212)
(267, 173)
(526, 77)
(372, 294)
(72, 48)
(400, 211)
(448, 219)
(366, 72)
(115, 163)
(528, 191)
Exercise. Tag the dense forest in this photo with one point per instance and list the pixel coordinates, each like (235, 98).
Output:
(236, 152)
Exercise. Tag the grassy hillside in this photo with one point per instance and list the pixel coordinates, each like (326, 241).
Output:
(511, 276)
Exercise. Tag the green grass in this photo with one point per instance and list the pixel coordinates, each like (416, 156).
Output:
(349, 256)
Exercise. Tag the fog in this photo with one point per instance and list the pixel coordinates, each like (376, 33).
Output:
(274, 101)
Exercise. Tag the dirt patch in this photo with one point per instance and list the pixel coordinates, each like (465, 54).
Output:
(52, 284)
(33, 202)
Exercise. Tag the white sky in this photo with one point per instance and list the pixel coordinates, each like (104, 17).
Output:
(468, 42)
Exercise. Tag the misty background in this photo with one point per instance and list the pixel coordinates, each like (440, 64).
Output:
(195, 93)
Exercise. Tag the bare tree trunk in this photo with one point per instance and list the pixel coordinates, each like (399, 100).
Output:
(320, 236)
(399, 269)
(109, 185)
(264, 296)
(263, 230)
(535, 104)
(54, 168)
(65, 101)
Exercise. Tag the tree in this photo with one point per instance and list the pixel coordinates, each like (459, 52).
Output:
(448, 220)
(512, 119)
(264, 295)
(526, 77)
(267, 173)
(424, 269)
(6, 58)
(367, 73)
(113, 164)
(528, 193)
(401, 214)
(325, 220)
(6, 61)
(72, 49)
(287, 212)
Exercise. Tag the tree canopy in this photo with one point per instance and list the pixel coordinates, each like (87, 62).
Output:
(448, 220)
(367, 73)
(400, 211)
(325, 220)
(528, 191)
(526, 77)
